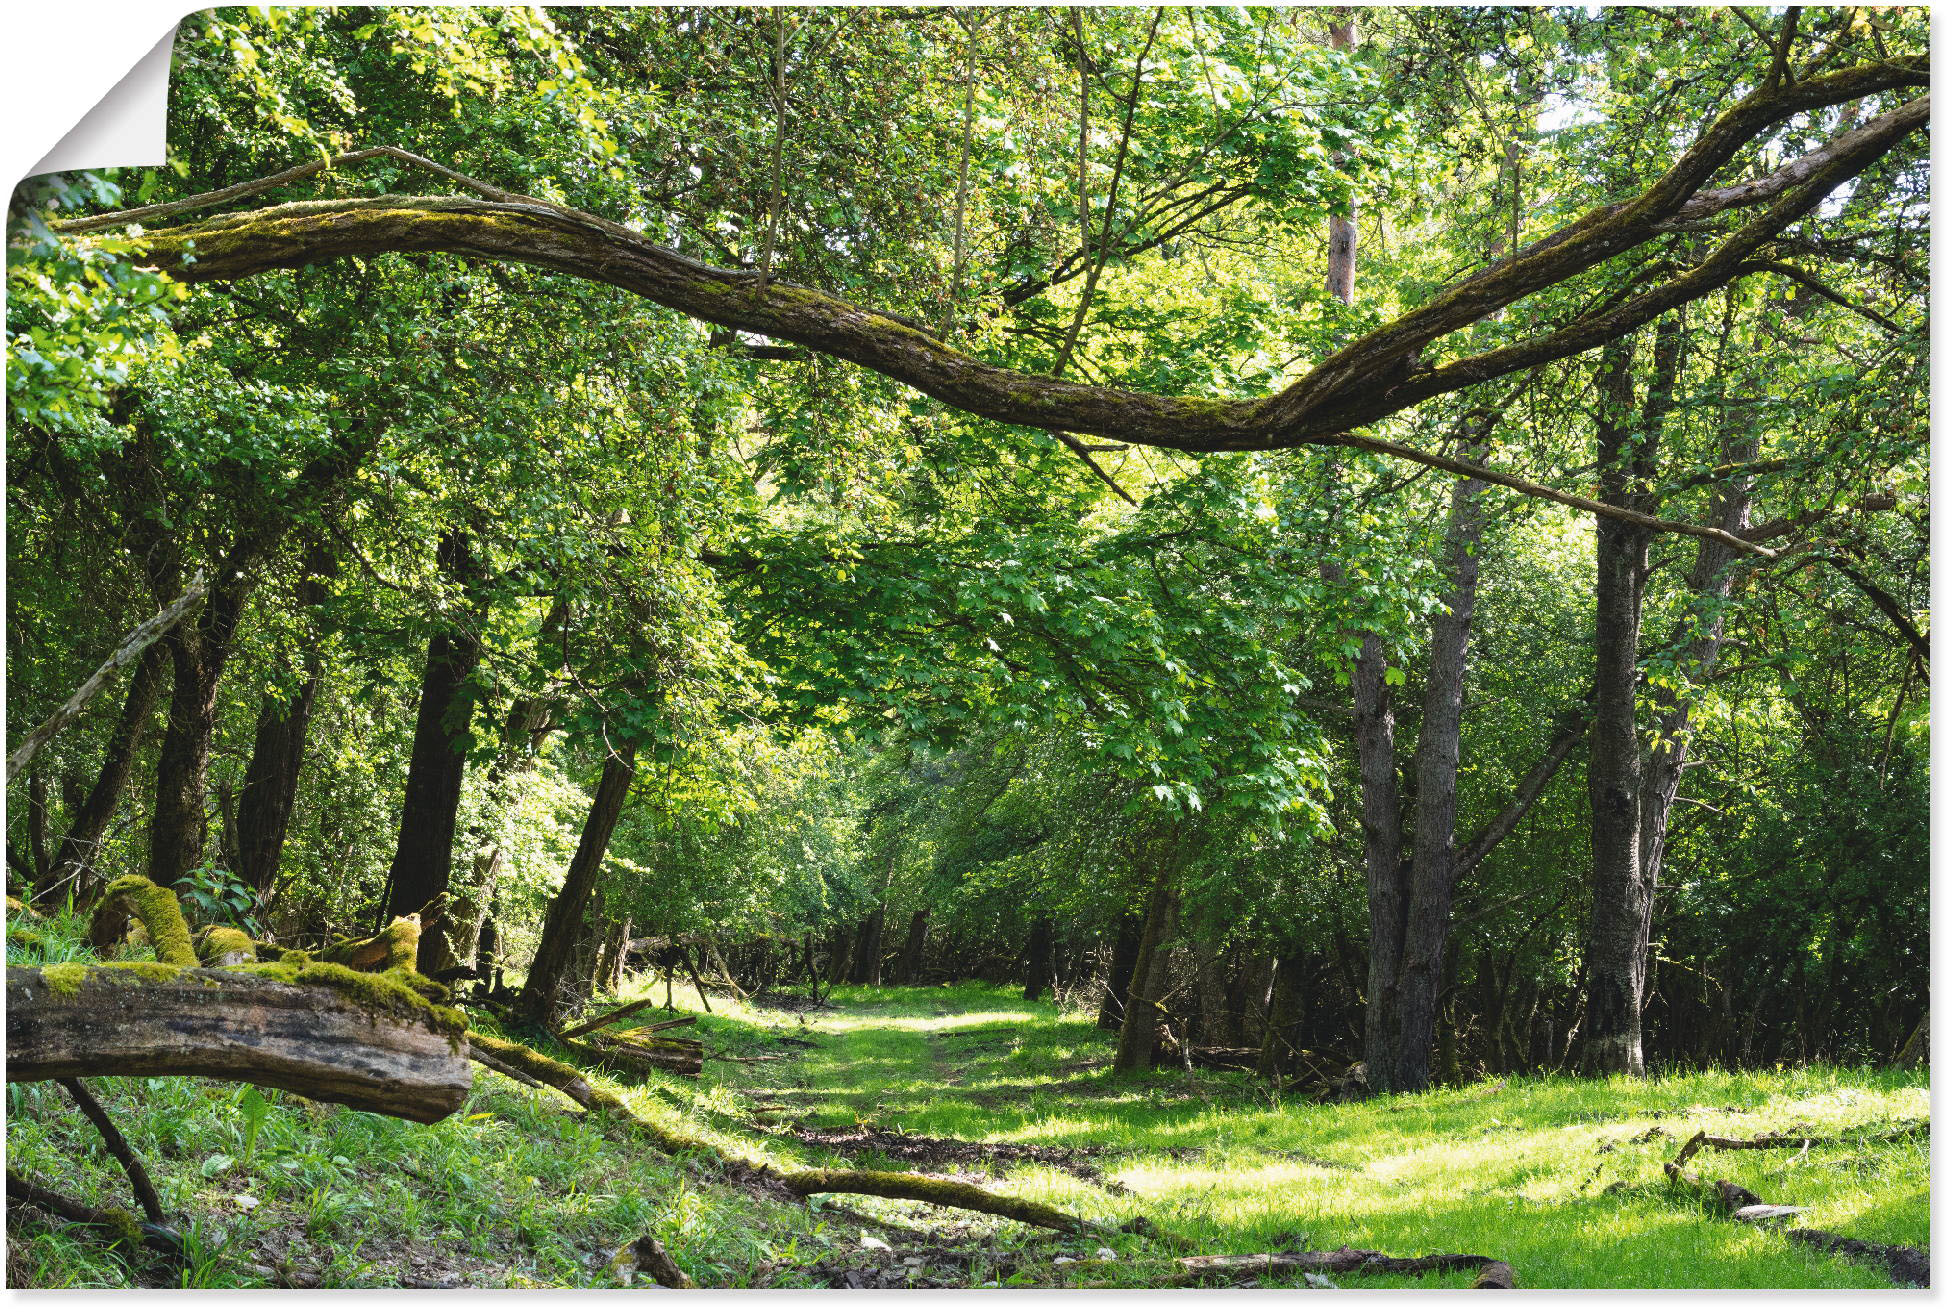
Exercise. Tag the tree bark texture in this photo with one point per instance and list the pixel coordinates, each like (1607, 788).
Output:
(1138, 1031)
(563, 929)
(326, 1043)
(423, 858)
(1622, 903)
(1376, 375)
(1118, 978)
(198, 652)
(910, 968)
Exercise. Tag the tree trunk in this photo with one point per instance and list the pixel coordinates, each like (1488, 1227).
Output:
(910, 968)
(198, 650)
(455, 937)
(1388, 878)
(1039, 964)
(562, 930)
(1622, 908)
(1427, 927)
(1342, 227)
(278, 753)
(75, 857)
(423, 858)
(867, 950)
(841, 955)
(1138, 1033)
(1118, 979)
(271, 781)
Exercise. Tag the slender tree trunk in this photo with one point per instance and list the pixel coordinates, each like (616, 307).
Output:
(75, 857)
(1138, 1033)
(198, 650)
(1039, 963)
(867, 950)
(423, 857)
(278, 753)
(562, 929)
(1616, 947)
(911, 951)
(841, 955)
(453, 941)
(1342, 227)
(271, 781)
(1439, 739)
(1118, 979)
(1388, 878)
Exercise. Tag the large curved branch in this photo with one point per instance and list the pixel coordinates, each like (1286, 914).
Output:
(1365, 382)
(1612, 230)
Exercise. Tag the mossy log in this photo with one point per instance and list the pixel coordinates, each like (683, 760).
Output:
(395, 947)
(929, 1189)
(132, 896)
(325, 1032)
(220, 945)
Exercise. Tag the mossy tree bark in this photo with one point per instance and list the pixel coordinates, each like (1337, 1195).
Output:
(142, 1018)
(1379, 374)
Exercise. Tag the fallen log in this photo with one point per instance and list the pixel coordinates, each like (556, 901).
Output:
(639, 1059)
(579, 1030)
(501, 1067)
(1495, 1275)
(882, 1184)
(121, 1225)
(928, 1189)
(648, 1255)
(657, 1027)
(1342, 1261)
(1904, 1265)
(329, 1033)
(395, 947)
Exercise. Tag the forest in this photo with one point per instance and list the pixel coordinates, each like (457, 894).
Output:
(973, 647)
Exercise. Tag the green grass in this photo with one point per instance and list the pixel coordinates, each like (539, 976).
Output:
(1556, 1176)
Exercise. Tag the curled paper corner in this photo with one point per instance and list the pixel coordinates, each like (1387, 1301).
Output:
(128, 127)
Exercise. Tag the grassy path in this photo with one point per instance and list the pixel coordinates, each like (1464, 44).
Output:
(1560, 1177)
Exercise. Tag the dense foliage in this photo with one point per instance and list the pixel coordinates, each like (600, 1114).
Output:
(898, 689)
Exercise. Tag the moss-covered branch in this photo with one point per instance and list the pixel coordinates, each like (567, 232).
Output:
(1375, 376)
(155, 908)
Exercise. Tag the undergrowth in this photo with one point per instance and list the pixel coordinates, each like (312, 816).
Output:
(1558, 1176)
